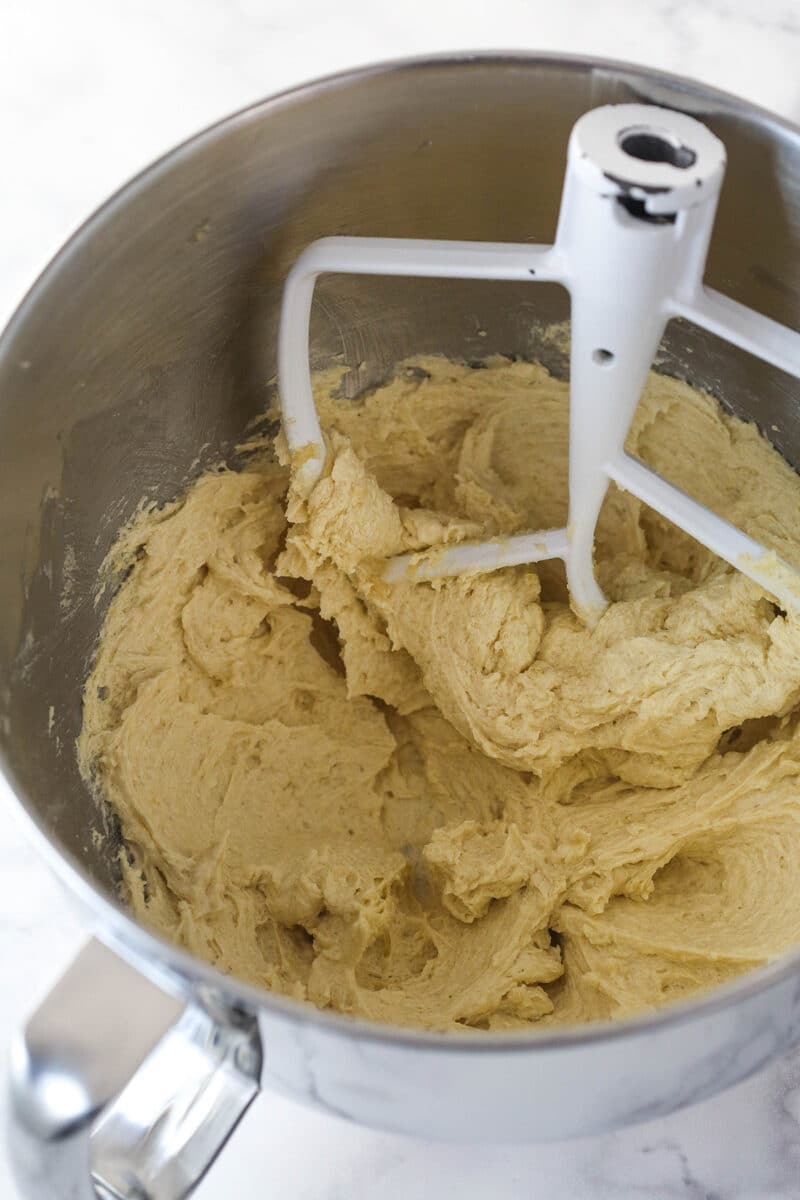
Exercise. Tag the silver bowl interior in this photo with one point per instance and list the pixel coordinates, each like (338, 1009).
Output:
(149, 344)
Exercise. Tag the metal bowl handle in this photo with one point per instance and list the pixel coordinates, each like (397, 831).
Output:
(118, 1089)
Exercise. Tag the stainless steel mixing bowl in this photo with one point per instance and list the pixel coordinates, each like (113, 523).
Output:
(145, 349)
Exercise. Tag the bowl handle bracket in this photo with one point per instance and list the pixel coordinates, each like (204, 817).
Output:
(118, 1089)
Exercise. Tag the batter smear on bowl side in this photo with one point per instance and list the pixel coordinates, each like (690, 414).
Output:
(452, 804)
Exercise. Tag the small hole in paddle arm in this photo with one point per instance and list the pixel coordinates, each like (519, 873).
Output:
(649, 146)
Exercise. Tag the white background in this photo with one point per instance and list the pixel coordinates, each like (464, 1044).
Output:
(90, 91)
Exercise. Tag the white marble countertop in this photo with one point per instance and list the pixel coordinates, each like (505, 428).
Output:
(92, 90)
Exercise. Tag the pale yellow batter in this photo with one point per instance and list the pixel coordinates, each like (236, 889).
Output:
(452, 804)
